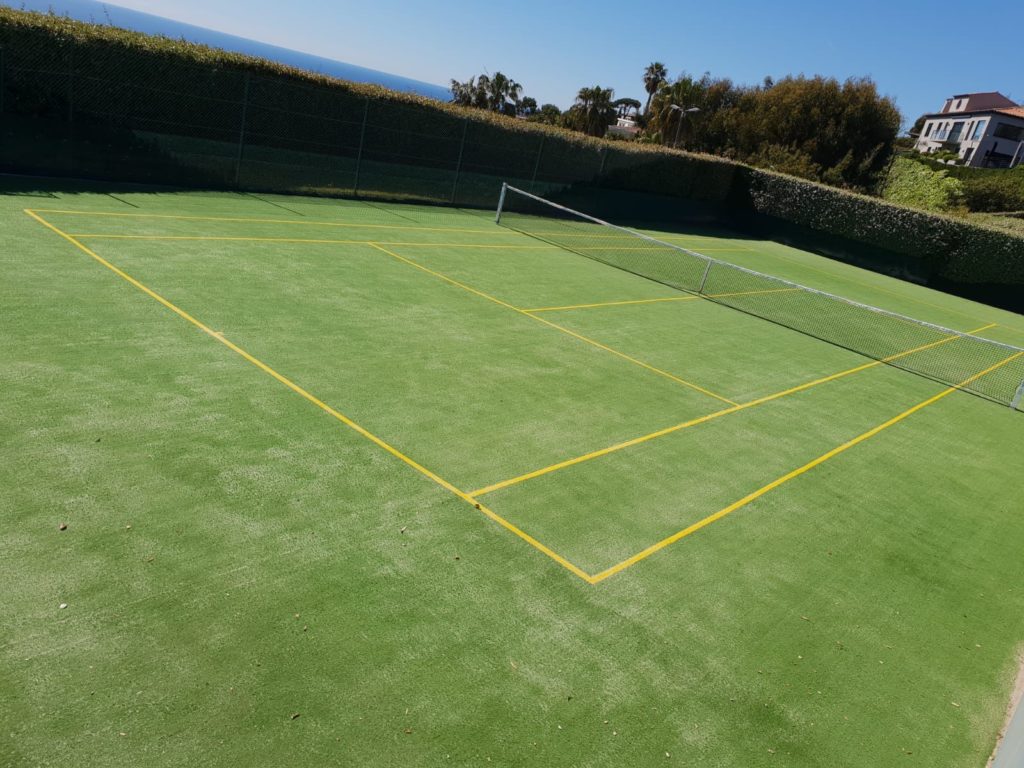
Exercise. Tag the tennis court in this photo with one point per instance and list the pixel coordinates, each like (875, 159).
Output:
(396, 374)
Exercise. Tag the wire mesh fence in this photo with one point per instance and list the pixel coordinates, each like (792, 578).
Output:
(987, 368)
(107, 113)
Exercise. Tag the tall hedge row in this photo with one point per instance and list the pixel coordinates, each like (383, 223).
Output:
(952, 249)
(94, 100)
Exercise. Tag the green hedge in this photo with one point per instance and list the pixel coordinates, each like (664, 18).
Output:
(952, 249)
(94, 100)
(909, 182)
(986, 190)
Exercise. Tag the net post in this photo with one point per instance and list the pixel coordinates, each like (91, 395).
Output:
(359, 152)
(3, 81)
(1017, 397)
(704, 278)
(241, 130)
(501, 203)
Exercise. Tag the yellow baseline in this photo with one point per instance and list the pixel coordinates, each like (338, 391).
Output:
(245, 239)
(789, 476)
(550, 324)
(318, 403)
(708, 417)
(296, 222)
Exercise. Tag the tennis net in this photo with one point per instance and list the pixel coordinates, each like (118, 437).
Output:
(986, 368)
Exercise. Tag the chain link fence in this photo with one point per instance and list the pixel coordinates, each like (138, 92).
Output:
(102, 112)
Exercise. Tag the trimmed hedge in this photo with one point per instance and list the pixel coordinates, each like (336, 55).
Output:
(95, 100)
(952, 249)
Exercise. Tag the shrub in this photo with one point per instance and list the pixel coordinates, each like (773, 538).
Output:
(912, 183)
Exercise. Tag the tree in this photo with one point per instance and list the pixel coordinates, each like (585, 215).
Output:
(497, 92)
(815, 127)
(527, 106)
(624, 106)
(655, 76)
(593, 111)
(548, 113)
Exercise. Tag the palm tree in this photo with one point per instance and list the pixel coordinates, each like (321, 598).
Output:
(655, 76)
(593, 111)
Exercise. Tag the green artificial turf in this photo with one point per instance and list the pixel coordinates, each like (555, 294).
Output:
(249, 581)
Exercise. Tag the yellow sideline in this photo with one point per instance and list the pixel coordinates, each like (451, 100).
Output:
(645, 553)
(317, 402)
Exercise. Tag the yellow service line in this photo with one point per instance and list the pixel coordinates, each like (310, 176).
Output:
(654, 301)
(548, 323)
(317, 402)
(643, 554)
(494, 231)
(669, 246)
(242, 239)
(707, 417)
(612, 303)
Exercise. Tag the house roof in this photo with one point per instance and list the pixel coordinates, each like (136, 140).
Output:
(985, 100)
(1012, 112)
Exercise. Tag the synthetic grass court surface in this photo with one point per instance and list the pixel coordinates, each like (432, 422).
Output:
(702, 539)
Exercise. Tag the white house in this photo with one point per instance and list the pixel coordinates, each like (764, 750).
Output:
(986, 130)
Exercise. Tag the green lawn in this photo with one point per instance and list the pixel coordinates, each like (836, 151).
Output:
(379, 484)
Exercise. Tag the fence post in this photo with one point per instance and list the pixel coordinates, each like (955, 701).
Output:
(458, 163)
(604, 158)
(241, 130)
(536, 165)
(3, 80)
(359, 152)
(71, 109)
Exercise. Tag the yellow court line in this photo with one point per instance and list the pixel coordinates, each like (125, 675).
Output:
(671, 247)
(494, 231)
(645, 553)
(557, 327)
(653, 301)
(243, 239)
(318, 403)
(613, 303)
(707, 417)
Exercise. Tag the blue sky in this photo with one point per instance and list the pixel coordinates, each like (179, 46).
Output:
(914, 50)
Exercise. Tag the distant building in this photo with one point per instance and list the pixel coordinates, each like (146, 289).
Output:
(986, 130)
(625, 127)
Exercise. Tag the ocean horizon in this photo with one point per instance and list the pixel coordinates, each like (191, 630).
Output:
(126, 18)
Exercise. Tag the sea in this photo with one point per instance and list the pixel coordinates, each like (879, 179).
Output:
(105, 13)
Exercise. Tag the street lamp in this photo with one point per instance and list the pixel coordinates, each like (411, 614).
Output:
(682, 113)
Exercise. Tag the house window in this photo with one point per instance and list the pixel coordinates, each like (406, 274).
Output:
(958, 128)
(968, 154)
(979, 130)
(928, 129)
(1007, 131)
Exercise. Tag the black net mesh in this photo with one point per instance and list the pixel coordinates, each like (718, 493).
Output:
(110, 112)
(986, 368)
